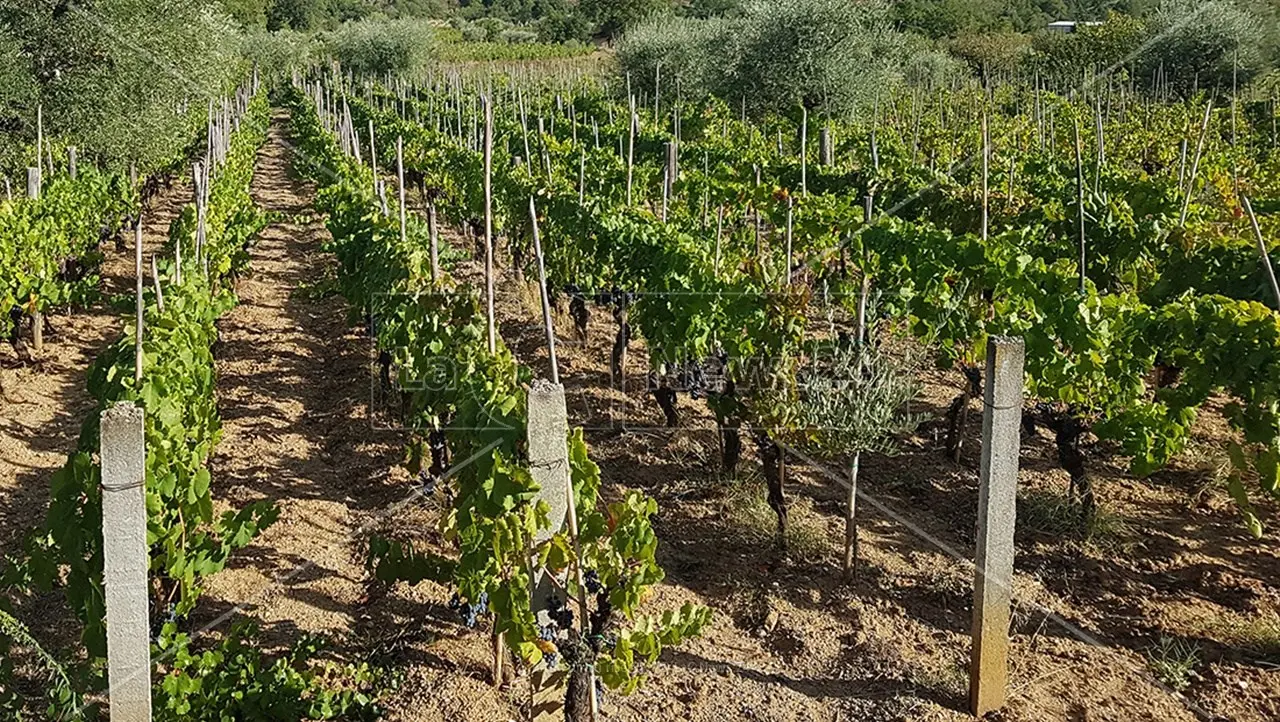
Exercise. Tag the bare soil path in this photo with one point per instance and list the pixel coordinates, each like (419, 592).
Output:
(293, 390)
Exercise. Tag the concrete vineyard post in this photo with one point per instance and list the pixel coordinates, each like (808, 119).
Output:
(826, 151)
(997, 496)
(71, 162)
(548, 434)
(125, 562)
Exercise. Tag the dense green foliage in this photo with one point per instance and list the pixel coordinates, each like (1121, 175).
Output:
(49, 246)
(1133, 350)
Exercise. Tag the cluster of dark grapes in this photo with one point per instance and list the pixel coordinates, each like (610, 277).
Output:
(699, 378)
(693, 378)
(592, 580)
(561, 615)
(614, 297)
(470, 612)
(561, 619)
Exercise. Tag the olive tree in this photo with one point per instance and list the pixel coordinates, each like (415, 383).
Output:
(667, 46)
(829, 55)
(125, 80)
(1200, 44)
(382, 46)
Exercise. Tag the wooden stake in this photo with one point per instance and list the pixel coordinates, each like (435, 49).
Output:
(1262, 249)
(631, 149)
(790, 212)
(155, 280)
(546, 301)
(986, 171)
(804, 151)
(140, 305)
(1075, 126)
(400, 186)
(488, 221)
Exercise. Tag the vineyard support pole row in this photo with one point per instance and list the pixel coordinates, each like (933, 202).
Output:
(997, 501)
(125, 562)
